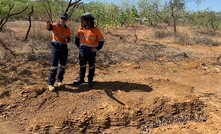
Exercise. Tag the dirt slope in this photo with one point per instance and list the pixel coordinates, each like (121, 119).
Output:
(148, 86)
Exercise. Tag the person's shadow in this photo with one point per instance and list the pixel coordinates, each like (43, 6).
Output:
(108, 88)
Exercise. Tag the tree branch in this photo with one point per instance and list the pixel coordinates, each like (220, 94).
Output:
(29, 19)
(18, 12)
(74, 8)
(4, 46)
(5, 19)
(47, 8)
(70, 4)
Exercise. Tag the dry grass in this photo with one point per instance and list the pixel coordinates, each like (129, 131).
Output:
(131, 44)
(175, 74)
(189, 36)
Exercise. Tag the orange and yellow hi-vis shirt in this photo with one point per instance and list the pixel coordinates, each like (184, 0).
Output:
(90, 37)
(60, 34)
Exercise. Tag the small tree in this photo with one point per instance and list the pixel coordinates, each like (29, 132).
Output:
(176, 8)
(170, 13)
(105, 13)
(6, 11)
(209, 19)
(147, 10)
(63, 6)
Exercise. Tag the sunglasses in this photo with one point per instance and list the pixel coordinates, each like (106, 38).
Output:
(63, 18)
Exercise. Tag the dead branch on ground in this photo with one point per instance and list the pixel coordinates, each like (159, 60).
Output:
(4, 46)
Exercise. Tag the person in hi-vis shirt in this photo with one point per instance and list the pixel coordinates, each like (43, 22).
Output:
(89, 40)
(59, 52)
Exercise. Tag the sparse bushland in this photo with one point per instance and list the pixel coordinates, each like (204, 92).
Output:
(154, 13)
(148, 77)
(163, 17)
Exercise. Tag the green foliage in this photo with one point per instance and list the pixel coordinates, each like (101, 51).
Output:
(3, 8)
(207, 19)
(40, 11)
(147, 9)
(5, 4)
(111, 15)
(128, 16)
(105, 14)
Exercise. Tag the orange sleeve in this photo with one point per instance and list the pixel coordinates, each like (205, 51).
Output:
(78, 33)
(100, 35)
(54, 27)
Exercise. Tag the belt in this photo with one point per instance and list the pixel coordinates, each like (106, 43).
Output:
(55, 43)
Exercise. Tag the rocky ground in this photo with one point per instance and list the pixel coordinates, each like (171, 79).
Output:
(143, 84)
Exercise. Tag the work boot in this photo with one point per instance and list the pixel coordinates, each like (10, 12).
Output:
(90, 84)
(51, 87)
(79, 82)
(60, 84)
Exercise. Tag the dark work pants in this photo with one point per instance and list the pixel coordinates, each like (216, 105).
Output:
(87, 56)
(59, 55)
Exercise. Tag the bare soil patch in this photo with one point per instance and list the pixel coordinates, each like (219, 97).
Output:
(147, 86)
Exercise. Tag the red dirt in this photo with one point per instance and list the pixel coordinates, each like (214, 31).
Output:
(148, 87)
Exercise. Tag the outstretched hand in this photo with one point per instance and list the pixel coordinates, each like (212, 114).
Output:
(48, 22)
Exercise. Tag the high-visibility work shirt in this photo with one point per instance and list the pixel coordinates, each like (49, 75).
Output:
(90, 37)
(60, 34)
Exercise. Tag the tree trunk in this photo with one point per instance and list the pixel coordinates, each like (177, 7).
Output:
(29, 19)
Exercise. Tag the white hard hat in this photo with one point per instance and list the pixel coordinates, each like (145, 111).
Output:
(87, 14)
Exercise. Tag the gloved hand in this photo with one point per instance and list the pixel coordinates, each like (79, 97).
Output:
(67, 40)
(93, 49)
(48, 24)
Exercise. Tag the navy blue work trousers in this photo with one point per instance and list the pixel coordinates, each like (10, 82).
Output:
(59, 55)
(86, 56)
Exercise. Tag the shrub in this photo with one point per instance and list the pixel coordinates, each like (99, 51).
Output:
(205, 40)
(160, 34)
(183, 39)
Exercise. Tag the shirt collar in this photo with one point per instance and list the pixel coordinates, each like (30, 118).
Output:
(59, 24)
